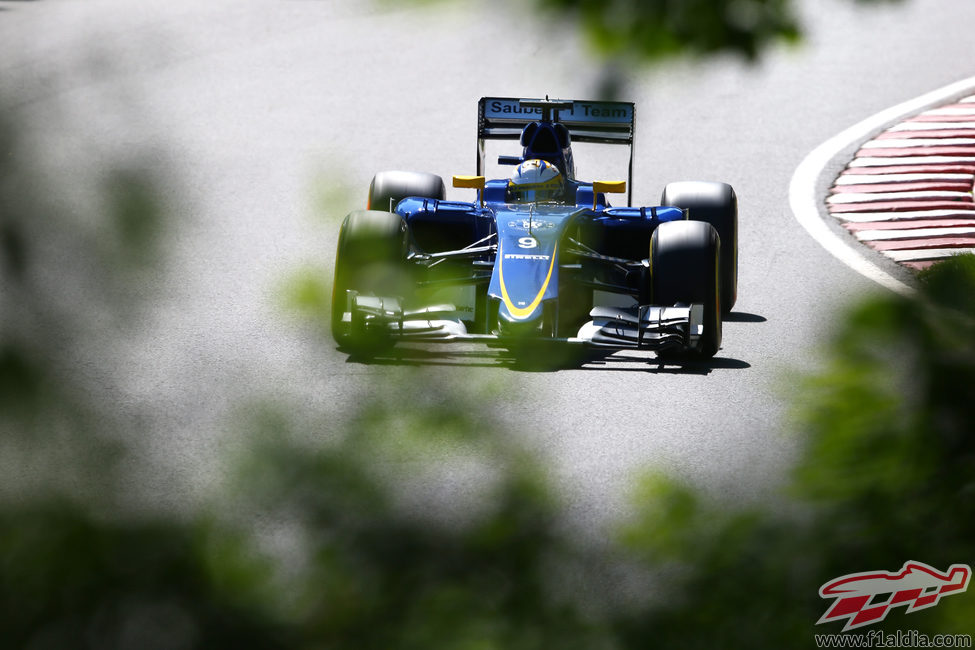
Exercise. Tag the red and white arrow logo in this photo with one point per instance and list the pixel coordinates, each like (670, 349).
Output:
(865, 598)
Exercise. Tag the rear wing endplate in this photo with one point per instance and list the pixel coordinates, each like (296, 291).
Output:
(504, 118)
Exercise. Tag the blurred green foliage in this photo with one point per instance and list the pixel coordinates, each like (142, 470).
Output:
(650, 30)
(655, 29)
(69, 579)
(886, 475)
(391, 555)
(69, 271)
(417, 521)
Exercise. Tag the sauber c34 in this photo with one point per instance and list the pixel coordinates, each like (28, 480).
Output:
(541, 255)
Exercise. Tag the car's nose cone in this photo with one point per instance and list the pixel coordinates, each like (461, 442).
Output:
(509, 326)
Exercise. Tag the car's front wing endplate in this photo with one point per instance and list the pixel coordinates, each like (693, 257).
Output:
(645, 327)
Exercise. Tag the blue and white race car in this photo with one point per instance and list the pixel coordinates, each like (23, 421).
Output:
(540, 255)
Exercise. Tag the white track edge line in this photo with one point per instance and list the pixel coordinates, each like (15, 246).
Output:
(908, 215)
(802, 188)
(916, 143)
(912, 233)
(926, 255)
(893, 179)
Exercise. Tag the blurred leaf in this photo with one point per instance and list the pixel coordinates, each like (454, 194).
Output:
(135, 211)
(309, 292)
(70, 580)
(656, 29)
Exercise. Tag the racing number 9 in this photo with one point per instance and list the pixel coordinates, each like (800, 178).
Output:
(527, 242)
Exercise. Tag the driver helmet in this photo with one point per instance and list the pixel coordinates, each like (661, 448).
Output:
(535, 180)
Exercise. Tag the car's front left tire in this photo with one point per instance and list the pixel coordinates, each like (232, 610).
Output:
(717, 204)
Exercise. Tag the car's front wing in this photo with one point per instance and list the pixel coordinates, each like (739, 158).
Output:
(646, 327)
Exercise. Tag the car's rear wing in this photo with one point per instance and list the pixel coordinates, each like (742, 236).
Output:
(504, 118)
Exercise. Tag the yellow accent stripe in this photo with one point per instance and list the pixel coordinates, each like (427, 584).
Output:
(524, 312)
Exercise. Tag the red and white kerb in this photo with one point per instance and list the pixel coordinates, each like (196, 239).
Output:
(908, 191)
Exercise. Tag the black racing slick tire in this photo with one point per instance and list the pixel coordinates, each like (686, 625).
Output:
(370, 259)
(716, 204)
(389, 188)
(684, 262)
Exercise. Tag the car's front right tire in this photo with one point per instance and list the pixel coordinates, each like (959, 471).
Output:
(684, 269)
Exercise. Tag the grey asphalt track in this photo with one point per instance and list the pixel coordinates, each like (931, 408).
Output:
(253, 108)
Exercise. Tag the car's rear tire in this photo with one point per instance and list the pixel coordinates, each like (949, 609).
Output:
(716, 204)
(684, 262)
(370, 259)
(389, 188)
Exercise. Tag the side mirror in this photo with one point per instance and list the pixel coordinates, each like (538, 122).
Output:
(471, 182)
(611, 187)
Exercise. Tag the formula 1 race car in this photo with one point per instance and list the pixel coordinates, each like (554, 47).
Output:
(540, 255)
